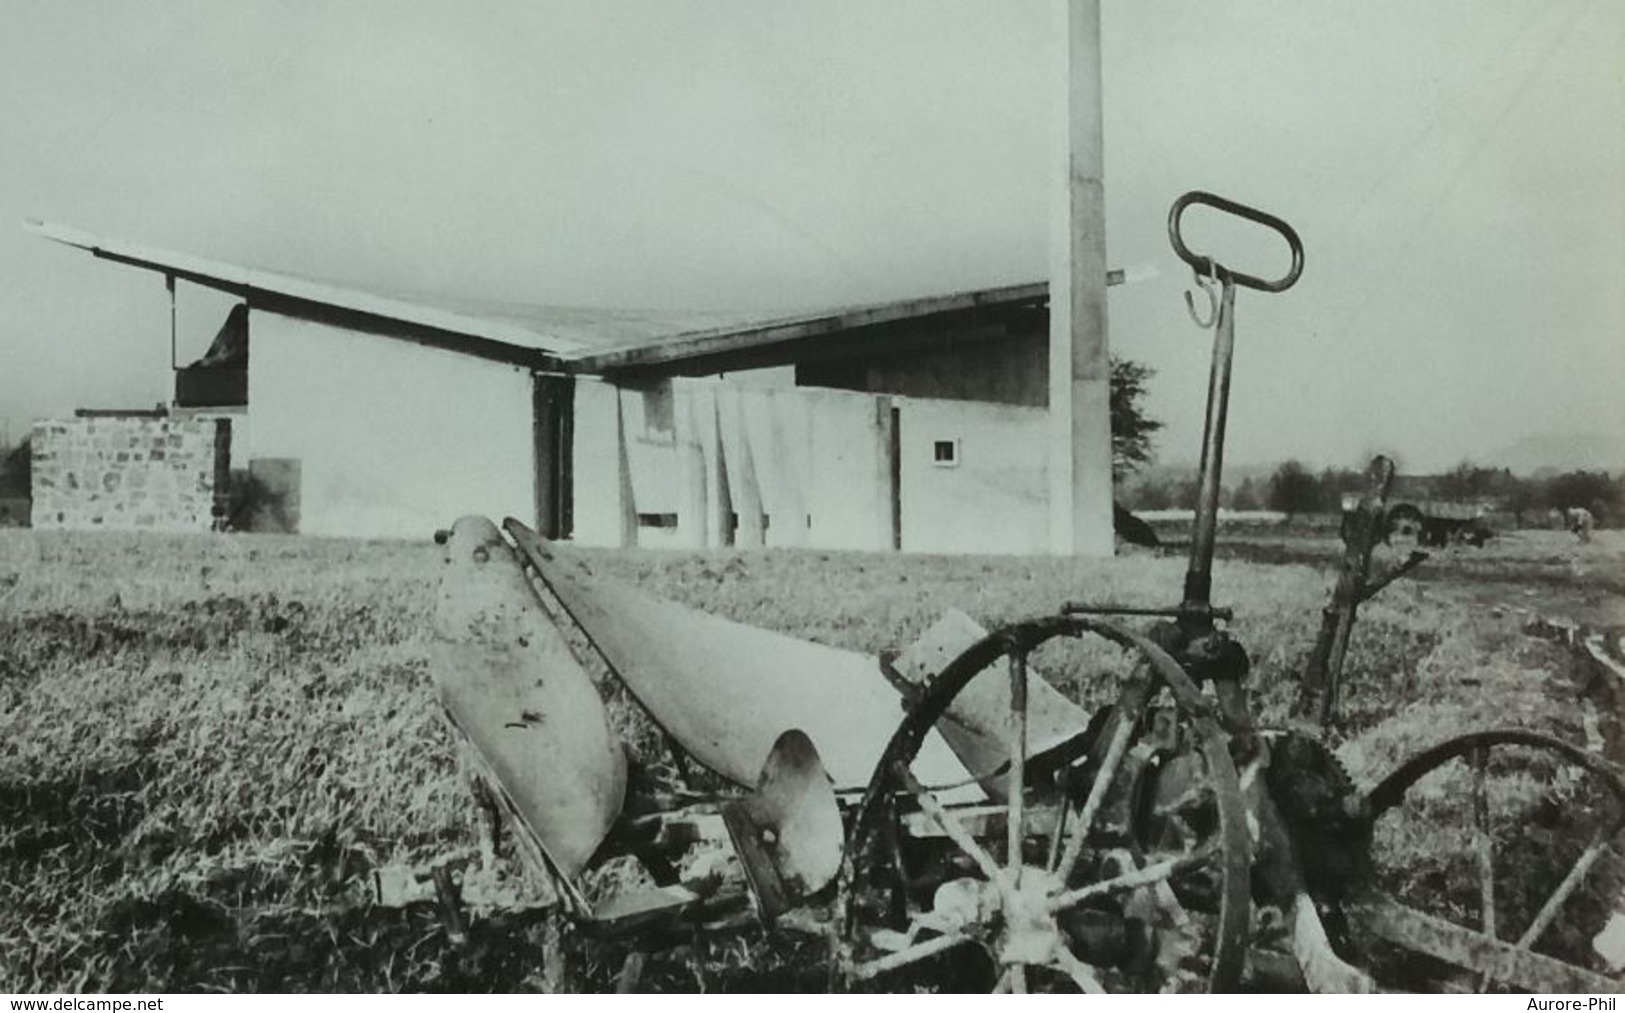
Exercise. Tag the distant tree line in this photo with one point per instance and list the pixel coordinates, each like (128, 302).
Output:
(1295, 489)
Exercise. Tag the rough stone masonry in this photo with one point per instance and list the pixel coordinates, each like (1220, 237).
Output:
(124, 472)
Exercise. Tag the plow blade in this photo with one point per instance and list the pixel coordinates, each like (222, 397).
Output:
(787, 833)
(511, 688)
(1501, 961)
(726, 691)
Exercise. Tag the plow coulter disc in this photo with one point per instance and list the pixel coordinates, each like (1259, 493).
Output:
(1101, 876)
(1499, 865)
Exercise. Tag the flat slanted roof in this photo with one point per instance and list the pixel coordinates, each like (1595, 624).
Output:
(573, 339)
(716, 344)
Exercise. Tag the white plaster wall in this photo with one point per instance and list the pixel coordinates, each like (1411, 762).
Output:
(994, 500)
(814, 461)
(776, 426)
(649, 423)
(600, 498)
(849, 446)
(627, 461)
(394, 439)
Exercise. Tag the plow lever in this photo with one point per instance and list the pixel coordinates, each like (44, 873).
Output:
(1208, 267)
(1199, 577)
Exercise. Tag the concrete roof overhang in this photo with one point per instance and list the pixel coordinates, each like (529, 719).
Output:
(585, 340)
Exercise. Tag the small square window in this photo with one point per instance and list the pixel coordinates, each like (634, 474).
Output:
(945, 453)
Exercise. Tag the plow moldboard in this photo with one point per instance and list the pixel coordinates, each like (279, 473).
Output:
(512, 688)
(726, 691)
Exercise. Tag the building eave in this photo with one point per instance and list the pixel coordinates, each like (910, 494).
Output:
(719, 344)
(727, 347)
(289, 291)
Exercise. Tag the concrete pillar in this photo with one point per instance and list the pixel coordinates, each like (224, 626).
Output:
(743, 491)
(1080, 459)
(625, 501)
(692, 509)
(708, 427)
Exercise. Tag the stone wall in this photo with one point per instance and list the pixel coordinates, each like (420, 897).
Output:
(147, 472)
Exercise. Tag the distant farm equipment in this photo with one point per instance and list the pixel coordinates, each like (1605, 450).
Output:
(947, 802)
(1437, 523)
(1411, 520)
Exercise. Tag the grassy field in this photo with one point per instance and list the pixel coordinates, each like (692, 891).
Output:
(210, 742)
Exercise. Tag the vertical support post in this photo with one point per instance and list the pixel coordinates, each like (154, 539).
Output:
(709, 426)
(627, 501)
(692, 509)
(565, 496)
(542, 442)
(174, 352)
(552, 408)
(892, 455)
(1080, 458)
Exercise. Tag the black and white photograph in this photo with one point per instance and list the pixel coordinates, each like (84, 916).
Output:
(816, 496)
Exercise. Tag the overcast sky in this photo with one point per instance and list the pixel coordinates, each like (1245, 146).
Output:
(1456, 169)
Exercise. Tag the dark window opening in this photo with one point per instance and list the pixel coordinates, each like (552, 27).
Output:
(945, 453)
(220, 378)
(657, 520)
(659, 414)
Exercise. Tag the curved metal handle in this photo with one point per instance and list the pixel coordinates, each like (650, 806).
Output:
(1207, 264)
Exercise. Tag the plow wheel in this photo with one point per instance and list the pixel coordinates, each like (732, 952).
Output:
(1498, 865)
(1117, 860)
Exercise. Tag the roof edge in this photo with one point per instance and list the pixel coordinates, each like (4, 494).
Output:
(243, 281)
(714, 341)
(572, 356)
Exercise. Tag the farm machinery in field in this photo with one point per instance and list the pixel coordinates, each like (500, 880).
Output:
(1430, 523)
(945, 814)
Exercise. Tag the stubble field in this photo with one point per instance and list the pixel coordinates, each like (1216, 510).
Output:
(207, 744)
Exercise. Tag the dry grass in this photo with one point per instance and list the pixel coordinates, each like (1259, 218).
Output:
(210, 741)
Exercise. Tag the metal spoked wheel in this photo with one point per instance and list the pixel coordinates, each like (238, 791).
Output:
(1118, 861)
(1499, 864)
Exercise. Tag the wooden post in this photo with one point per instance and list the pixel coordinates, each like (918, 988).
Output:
(1080, 459)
